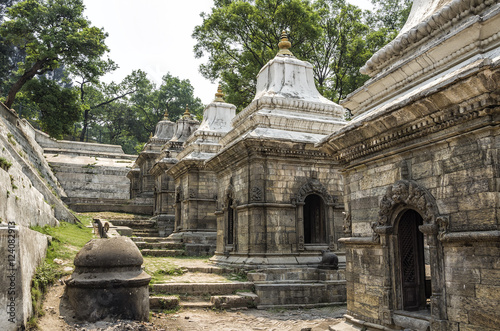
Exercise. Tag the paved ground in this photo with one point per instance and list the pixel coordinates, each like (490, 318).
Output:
(59, 317)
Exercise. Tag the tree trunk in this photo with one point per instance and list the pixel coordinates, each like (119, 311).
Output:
(28, 75)
(85, 124)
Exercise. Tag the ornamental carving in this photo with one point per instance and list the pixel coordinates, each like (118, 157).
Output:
(179, 196)
(406, 193)
(301, 243)
(313, 186)
(256, 194)
(228, 194)
(347, 223)
(192, 193)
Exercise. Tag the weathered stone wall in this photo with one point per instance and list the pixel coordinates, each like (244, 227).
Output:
(265, 187)
(164, 195)
(88, 170)
(19, 147)
(472, 272)
(21, 250)
(199, 189)
(461, 174)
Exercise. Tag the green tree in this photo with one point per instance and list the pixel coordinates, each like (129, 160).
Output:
(390, 16)
(94, 94)
(58, 107)
(52, 33)
(172, 96)
(241, 36)
(340, 50)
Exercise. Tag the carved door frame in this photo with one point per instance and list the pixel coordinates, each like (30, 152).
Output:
(400, 197)
(314, 186)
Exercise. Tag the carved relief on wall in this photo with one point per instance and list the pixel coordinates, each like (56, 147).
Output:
(228, 194)
(409, 194)
(256, 194)
(313, 186)
(179, 196)
(347, 226)
(301, 243)
(192, 193)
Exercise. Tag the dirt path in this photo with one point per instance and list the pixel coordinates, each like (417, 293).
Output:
(59, 317)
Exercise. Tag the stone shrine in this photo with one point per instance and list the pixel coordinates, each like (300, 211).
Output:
(421, 167)
(164, 184)
(196, 187)
(279, 199)
(142, 183)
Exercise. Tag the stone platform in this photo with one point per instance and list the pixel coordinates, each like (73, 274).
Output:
(299, 287)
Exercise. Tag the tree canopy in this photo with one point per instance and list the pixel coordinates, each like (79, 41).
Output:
(52, 33)
(240, 36)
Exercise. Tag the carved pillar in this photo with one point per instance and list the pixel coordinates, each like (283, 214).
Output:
(438, 296)
(330, 228)
(300, 226)
(383, 233)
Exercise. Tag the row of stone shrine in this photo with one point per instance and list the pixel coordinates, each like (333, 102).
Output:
(416, 172)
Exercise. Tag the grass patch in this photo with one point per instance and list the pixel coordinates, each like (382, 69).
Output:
(161, 275)
(114, 216)
(238, 277)
(11, 139)
(5, 164)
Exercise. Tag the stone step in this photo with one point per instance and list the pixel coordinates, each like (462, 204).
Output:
(163, 302)
(211, 270)
(162, 252)
(238, 300)
(149, 232)
(135, 224)
(195, 304)
(306, 294)
(150, 239)
(202, 288)
(157, 245)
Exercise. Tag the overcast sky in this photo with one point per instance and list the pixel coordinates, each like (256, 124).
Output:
(155, 36)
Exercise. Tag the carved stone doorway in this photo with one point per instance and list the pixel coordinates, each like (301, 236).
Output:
(314, 220)
(415, 288)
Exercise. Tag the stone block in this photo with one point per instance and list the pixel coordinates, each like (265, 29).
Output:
(488, 292)
(163, 303)
(238, 300)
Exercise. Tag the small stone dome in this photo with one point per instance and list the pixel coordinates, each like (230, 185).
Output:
(109, 253)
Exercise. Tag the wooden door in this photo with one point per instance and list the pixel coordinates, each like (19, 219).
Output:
(411, 260)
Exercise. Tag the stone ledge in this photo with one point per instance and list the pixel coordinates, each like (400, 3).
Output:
(477, 236)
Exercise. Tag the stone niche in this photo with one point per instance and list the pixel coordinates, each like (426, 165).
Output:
(420, 162)
(108, 281)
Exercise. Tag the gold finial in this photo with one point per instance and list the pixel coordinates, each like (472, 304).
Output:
(219, 96)
(187, 114)
(165, 115)
(284, 45)
(150, 135)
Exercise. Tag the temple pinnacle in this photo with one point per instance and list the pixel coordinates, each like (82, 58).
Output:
(284, 45)
(186, 114)
(219, 96)
(165, 116)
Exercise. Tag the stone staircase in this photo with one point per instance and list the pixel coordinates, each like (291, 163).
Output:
(158, 246)
(210, 290)
(146, 236)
